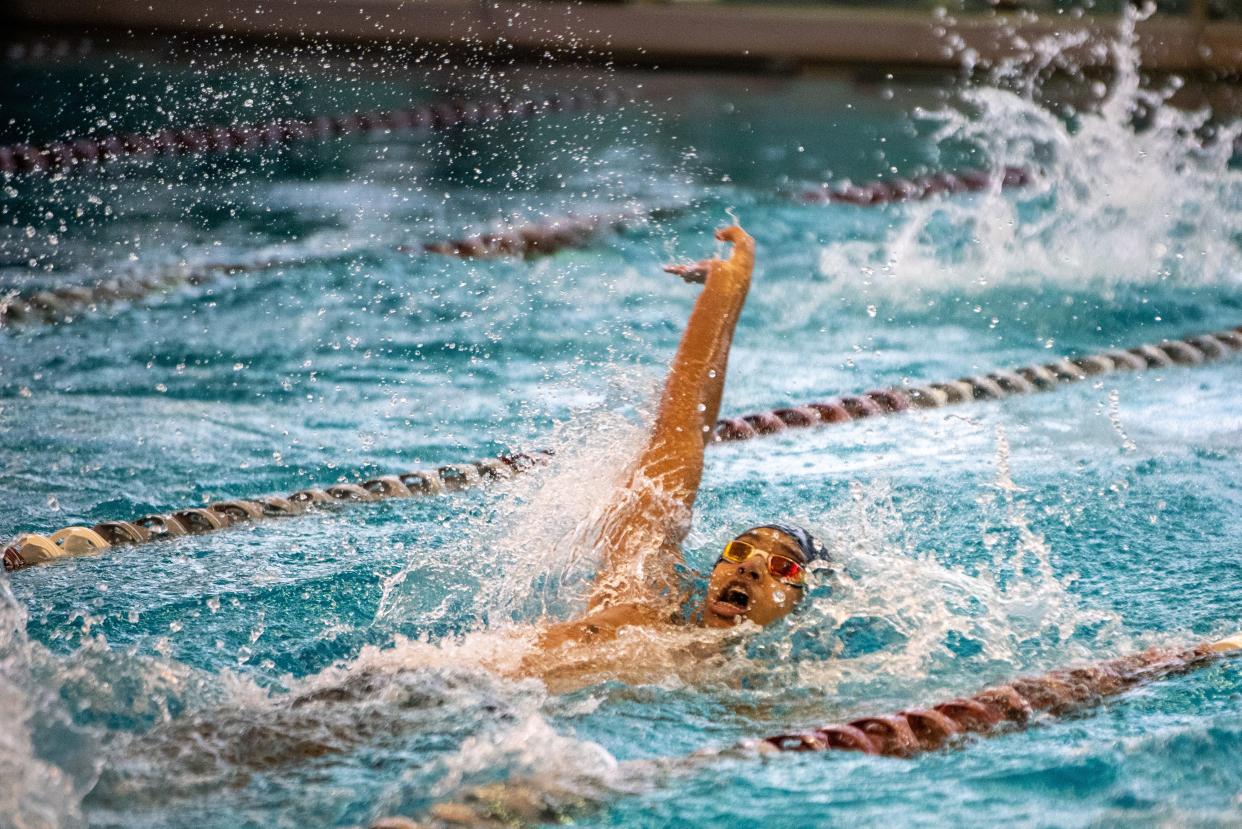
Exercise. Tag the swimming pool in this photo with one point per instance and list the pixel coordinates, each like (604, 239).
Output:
(150, 686)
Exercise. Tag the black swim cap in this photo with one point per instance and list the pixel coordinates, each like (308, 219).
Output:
(810, 547)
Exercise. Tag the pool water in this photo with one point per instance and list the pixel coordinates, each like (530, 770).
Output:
(152, 686)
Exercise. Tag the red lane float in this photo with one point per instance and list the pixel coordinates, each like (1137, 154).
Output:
(541, 238)
(992, 710)
(533, 239)
(919, 188)
(905, 734)
(64, 304)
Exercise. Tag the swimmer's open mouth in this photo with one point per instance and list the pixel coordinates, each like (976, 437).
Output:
(732, 600)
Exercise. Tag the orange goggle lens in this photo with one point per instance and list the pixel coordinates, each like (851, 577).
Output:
(782, 567)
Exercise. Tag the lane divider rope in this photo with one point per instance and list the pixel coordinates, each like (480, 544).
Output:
(996, 385)
(75, 541)
(536, 238)
(37, 50)
(540, 238)
(1014, 704)
(67, 303)
(919, 188)
(1000, 709)
(72, 154)
(530, 239)
(33, 548)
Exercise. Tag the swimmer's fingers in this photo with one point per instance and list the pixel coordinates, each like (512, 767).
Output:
(695, 274)
(736, 236)
(738, 266)
(743, 254)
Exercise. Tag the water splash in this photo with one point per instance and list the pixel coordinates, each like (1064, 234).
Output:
(892, 614)
(532, 745)
(902, 613)
(1114, 419)
(1127, 192)
(543, 533)
(902, 608)
(46, 764)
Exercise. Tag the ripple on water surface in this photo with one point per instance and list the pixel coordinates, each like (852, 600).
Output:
(323, 670)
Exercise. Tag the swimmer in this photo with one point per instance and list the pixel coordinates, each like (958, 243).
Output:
(760, 577)
(763, 573)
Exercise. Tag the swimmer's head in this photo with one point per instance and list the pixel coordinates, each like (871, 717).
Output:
(761, 575)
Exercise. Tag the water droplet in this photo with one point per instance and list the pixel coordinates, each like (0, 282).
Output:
(872, 310)
(53, 504)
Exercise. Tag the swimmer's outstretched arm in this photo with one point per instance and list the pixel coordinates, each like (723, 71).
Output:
(690, 403)
(643, 517)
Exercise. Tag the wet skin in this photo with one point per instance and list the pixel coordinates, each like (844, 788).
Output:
(642, 529)
(766, 599)
(636, 587)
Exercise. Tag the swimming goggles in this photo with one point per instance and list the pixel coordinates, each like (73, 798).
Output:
(782, 567)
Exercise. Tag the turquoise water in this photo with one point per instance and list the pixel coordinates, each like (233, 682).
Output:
(153, 686)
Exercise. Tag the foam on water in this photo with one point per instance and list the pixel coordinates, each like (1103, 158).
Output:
(895, 607)
(36, 791)
(925, 614)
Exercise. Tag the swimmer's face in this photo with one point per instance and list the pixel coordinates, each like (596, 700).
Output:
(747, 590)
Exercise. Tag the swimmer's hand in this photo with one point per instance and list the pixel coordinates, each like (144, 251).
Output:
(695, 274)
(735, 270)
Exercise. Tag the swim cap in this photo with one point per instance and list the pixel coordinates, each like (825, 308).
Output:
(810, 547)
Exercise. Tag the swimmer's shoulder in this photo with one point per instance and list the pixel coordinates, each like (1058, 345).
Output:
(602, 625)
